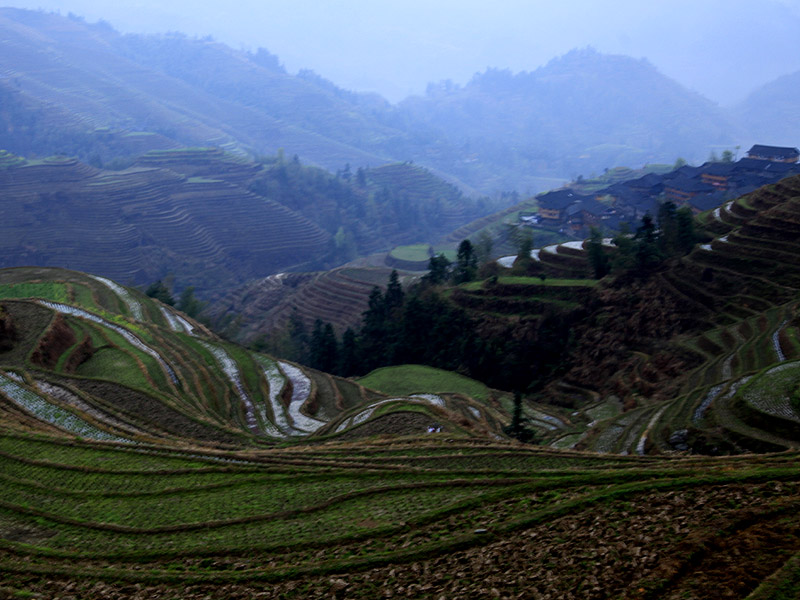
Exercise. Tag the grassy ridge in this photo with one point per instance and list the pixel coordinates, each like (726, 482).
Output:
(411, 379)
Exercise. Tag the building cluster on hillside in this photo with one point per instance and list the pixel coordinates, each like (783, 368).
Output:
(701, 188)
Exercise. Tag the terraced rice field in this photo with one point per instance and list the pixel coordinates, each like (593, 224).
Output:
(164, 377)
(422, 516)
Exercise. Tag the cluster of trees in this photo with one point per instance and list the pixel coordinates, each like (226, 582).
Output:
(441, 270)
(360, 212)
(421, 326)
(187, 302)
(649, 246)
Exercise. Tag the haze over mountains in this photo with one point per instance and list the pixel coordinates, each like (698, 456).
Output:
(76, 88)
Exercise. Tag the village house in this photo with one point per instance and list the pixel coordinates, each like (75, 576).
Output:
(682, 189)
(774, 153)
(553, 205)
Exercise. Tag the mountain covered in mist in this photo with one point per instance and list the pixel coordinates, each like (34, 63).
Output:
(86, 90)
(772, 110)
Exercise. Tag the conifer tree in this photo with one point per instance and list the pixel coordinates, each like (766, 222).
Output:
(437, 270)
(159, 291)
(686, 238)
(466, 263)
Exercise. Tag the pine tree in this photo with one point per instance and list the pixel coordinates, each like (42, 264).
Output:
(393, 299)
(648, 255)
(437, 270)
(524, 248)
(349, 360)
(686, 238)
(373, 331)
(466, 263)
(189, 304)
(159, 291)
(668, 226)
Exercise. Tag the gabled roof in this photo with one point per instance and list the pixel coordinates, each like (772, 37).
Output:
(776, 152)
(685, 171)
(622, 192)
(593, 207)
(764, 166)
(684, 184)
(646, 181)
(558, 200)
(723, 169)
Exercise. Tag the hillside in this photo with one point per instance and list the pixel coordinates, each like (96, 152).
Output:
(183, 451)
(139, 224)
(85, 90)
(108, 85)
(578, 114)
(214, 220)
(769, 110)
(89, 357)
(699, 353)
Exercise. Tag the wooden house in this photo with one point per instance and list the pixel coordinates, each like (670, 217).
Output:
(774, 153)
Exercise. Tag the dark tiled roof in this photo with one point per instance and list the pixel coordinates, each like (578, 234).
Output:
(593, 207)
(683, 172)
(777, 152)
(558, 200)
(766, 167)
(723, 169)
(684, 184)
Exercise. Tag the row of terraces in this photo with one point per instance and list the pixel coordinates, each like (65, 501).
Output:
(138, 224)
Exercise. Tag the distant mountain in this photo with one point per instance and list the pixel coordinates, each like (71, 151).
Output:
(771, 112)
(62, 74)
(582, 112)
(88, 91)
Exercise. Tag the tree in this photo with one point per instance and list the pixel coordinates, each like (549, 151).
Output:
(598, 259)
(373, 331)
(686, 237)
(668, 226)
(625, 256)
(324, 347)
(437, 270)
(159, 291)
(298, 339)
(349, 360)
(517, 428)
(189, 304)
(648, 255)
(727, 156)
(466, 263)
(393, 299)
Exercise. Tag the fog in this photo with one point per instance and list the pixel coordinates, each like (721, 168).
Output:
(720, 48)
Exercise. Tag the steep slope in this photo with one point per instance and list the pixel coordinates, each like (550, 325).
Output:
(700, 353)
(142, 223)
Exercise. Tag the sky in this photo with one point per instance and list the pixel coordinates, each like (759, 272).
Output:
(722, 49)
